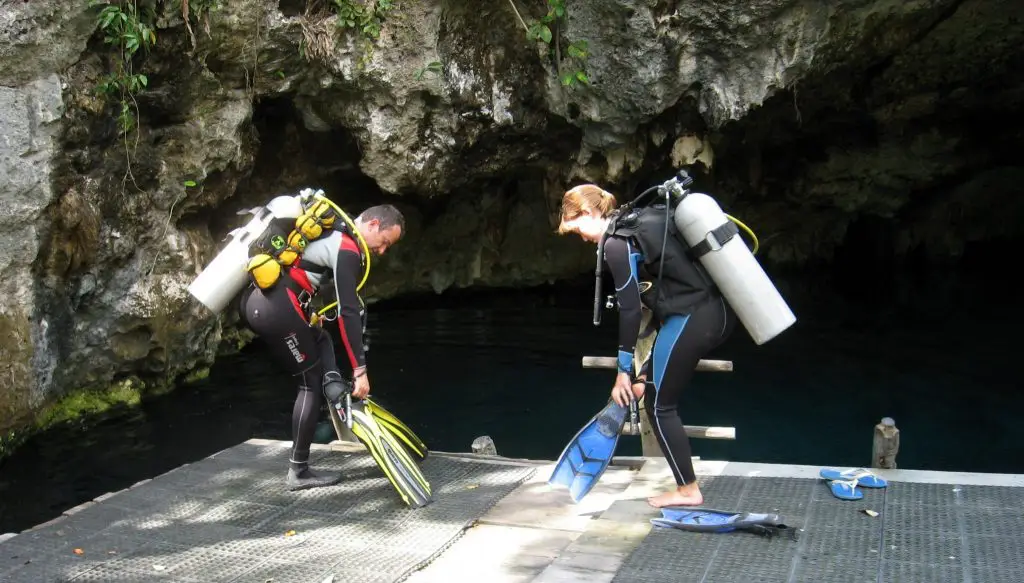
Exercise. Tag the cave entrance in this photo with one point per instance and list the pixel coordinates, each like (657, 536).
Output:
(291, 157)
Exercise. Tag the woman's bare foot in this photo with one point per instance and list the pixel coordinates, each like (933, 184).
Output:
(688, 495)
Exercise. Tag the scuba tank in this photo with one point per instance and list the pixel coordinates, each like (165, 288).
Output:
(711, 238)
(226, 275)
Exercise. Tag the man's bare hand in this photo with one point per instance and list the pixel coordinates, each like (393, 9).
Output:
(361, 387)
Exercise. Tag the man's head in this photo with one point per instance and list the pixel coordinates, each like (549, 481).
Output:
(381, 227)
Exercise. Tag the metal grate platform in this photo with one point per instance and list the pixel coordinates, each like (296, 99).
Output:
(927, 533)
(229, 518)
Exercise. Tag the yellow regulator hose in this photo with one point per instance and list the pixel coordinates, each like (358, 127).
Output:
(355, 231)
(747, 229)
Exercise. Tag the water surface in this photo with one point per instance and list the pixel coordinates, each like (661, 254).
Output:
(937, 355)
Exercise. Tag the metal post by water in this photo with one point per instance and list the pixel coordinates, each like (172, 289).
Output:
(885, 445)
(648, 442)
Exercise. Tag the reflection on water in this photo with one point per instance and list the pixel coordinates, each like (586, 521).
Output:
(509, 366)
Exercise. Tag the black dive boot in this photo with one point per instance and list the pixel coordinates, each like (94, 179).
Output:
(300, 477)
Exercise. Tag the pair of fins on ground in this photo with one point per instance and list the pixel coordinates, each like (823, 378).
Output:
(588, 454)
(395, 448)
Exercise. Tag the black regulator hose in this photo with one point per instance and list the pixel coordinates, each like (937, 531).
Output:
(682, 179)
(597, 279)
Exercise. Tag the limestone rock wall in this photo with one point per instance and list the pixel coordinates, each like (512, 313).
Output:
(801, 116)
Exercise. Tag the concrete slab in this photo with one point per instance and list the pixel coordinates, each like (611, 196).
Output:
(534, 532)
(598, 553)
(536, 504)
(497, 554)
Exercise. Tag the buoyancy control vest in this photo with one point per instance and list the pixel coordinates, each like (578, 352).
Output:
(683, 284)
(282, 244)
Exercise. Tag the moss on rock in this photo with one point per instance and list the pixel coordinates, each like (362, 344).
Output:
(77, 406)
(82, 403)
(197, 375)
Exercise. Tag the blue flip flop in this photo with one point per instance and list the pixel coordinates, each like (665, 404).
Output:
(861, 476)
(845, 489)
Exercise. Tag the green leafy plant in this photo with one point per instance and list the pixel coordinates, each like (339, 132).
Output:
(365, 16)
(578, 53)
(434, 67)
(126, 30)
(548, 30)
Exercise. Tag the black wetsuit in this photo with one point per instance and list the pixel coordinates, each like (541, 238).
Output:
(683, 339)
(278, 316)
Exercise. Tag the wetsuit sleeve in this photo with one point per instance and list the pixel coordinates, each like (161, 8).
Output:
(346, 271)
(622, 258)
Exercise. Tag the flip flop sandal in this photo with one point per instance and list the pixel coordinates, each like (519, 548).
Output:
(860, 475)
(845, 489)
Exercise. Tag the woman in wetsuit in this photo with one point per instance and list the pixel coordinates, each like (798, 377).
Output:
(691, 315)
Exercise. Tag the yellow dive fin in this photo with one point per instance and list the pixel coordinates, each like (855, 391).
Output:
(399, 430)
(400, 469)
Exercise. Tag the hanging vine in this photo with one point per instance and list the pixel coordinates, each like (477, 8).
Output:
(126, 30)
(549, 30)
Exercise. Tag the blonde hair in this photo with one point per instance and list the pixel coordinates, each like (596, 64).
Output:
(581, 199)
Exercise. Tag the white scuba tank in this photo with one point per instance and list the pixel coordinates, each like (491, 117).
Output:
(225, 276)
(732, 266)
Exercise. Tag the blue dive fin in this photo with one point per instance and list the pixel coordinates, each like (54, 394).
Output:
(587, 456)
(709, 520)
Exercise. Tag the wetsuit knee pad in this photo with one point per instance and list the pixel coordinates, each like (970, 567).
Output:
(335, 386)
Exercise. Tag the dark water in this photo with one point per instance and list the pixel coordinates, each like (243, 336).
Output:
(938, 354)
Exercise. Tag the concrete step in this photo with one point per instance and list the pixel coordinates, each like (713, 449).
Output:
(597, 553)
(525, 532)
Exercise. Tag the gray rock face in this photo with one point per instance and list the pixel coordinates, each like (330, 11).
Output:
(803, 115)
(28, 126)
(40, 39)
(727, 57)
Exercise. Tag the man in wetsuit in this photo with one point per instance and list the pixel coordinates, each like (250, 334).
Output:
(278, 315)
(691, 315)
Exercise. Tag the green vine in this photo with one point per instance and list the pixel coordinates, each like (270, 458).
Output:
(571, 71)
(127, 30)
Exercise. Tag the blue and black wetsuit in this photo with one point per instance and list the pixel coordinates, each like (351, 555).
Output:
(684, 337)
